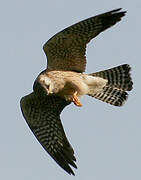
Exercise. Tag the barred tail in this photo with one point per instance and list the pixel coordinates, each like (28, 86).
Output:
(119, 81)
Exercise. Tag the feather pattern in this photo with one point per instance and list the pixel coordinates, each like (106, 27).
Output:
(42, 114)
(119, 81)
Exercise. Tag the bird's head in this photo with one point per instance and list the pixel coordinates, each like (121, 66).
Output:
(46, 83)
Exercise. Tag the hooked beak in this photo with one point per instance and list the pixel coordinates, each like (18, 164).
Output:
(49, 90)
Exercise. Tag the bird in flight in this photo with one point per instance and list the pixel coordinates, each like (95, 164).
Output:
(64, 81)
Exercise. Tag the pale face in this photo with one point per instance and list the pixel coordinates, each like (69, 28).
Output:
(46, 83)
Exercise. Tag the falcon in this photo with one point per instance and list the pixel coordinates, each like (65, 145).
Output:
(64, 81)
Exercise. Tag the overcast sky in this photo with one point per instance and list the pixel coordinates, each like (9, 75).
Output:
(106, 139)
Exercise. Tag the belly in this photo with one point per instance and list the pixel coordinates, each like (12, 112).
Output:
(71, 87)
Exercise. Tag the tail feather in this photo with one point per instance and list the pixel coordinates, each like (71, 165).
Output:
(118, 77)
(119, 81)
(113, 96)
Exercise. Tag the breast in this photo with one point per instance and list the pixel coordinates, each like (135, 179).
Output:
(69, 82)
(76, 84)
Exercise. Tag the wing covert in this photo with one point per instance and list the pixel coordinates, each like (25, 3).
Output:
(43, 117)
(66, 49)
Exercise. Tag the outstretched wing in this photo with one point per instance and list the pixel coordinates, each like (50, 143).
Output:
(66, 50)
(43, 118)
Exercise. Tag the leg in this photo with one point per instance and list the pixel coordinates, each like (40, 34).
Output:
(76, 100)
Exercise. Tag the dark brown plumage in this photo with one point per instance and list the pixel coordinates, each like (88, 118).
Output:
(42, 114)
(66, 52)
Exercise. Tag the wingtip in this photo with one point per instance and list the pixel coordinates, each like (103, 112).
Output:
(72, 173)
(118, 10)
(69, 170)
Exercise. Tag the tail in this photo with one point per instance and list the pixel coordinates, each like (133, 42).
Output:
(119, 81)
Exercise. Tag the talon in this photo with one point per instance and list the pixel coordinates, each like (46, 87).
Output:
(76, 100)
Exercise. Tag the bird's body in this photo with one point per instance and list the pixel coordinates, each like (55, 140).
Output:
(64, 81)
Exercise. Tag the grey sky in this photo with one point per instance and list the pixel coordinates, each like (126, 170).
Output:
(106, 139)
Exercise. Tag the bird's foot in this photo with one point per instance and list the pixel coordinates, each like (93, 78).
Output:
(76, 100)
